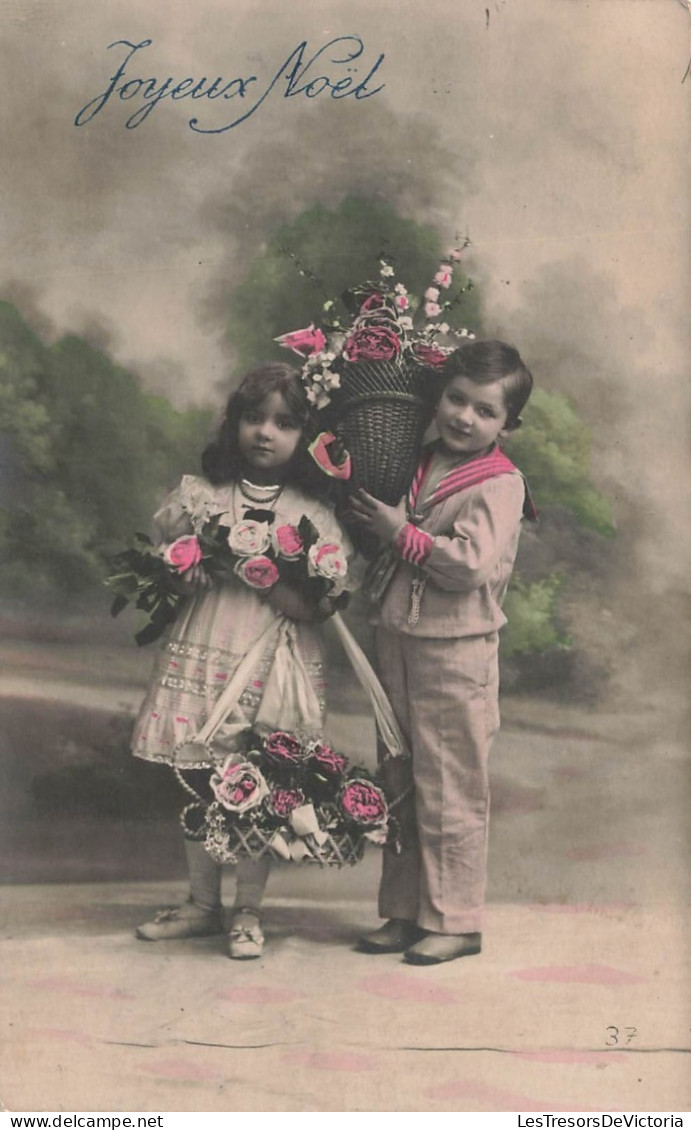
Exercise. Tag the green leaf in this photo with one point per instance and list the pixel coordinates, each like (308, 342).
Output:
(119, 604)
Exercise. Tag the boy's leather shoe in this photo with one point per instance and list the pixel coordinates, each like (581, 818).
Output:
(395, 936)
(186, 921)
(435, 948)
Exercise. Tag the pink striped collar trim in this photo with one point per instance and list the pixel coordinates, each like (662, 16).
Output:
(476, 470)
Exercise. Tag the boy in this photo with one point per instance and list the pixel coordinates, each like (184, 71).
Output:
(454, 541)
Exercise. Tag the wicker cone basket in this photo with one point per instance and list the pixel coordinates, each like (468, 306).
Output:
(381, 412)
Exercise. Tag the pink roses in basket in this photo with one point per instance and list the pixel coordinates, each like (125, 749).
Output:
(372, 343)
(381, 321)
(239, 786)
(294, 800)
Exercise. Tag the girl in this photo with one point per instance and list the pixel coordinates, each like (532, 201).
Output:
(260, 461)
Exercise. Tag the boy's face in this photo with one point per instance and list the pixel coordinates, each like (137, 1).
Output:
(470, 417)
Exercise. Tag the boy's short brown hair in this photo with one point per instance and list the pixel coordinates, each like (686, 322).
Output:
(486, 361)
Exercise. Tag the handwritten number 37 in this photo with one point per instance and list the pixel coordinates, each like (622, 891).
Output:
(620, 1035)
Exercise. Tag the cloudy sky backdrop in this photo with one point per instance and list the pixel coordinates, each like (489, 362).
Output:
(554, 132)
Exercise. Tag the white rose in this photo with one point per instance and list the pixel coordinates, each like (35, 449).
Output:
(326, 559)
(249, 538)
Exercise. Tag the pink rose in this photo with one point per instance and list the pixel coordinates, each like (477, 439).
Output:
(364, 803)
(375, 301)
(287, 542)
(432, 294)
(282, 802)
(443, 276)
(304, 342)
(432, 309)
(258, 572)
(183, 554)
(429, 355)
(283, 748)
(372, 343)
(326, 559)
(401, 302)
(323, 758)
(239, 786)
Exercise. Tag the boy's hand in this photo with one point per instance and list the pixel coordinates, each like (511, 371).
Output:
(380, 519)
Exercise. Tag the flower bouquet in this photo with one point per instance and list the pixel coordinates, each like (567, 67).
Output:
(293, 800)
(370, 373)
(255, 550)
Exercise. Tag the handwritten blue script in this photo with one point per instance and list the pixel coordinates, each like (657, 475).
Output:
(331, 70)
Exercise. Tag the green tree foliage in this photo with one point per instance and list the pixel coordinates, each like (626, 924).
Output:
(318, 256)
(86, 455)
(532, 611)
(553, 450)
(23, 416)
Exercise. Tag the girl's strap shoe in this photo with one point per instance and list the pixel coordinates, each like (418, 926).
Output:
(246, 939)
(186, 921)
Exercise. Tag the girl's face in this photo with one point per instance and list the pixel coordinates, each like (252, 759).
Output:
(470, 417)
(268, 436)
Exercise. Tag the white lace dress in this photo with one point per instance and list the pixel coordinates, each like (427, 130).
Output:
(215, 629)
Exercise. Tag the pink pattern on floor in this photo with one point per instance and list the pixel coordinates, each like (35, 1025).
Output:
(78, 988)
(591, 853)
(186, 1070)
(579, 974)
(583, 907)
(519, 803)
(332, 1061)
(571, 1055)
(247, 994)
(401, 987)
(498, 1099)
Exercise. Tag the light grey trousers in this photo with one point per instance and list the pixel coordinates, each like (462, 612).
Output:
(444, 693)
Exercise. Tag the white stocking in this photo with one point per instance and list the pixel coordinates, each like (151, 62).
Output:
(251, 880)
(205, 876)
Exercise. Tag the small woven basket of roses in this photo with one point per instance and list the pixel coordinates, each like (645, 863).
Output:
(293, 800)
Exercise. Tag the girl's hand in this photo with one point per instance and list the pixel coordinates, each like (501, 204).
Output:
(192, 579)
(380, 519)
(290, 602)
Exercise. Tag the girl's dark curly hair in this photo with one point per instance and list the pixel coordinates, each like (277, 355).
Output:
(221, 460)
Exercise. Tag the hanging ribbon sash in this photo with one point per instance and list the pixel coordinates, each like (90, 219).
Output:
(289, 700)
